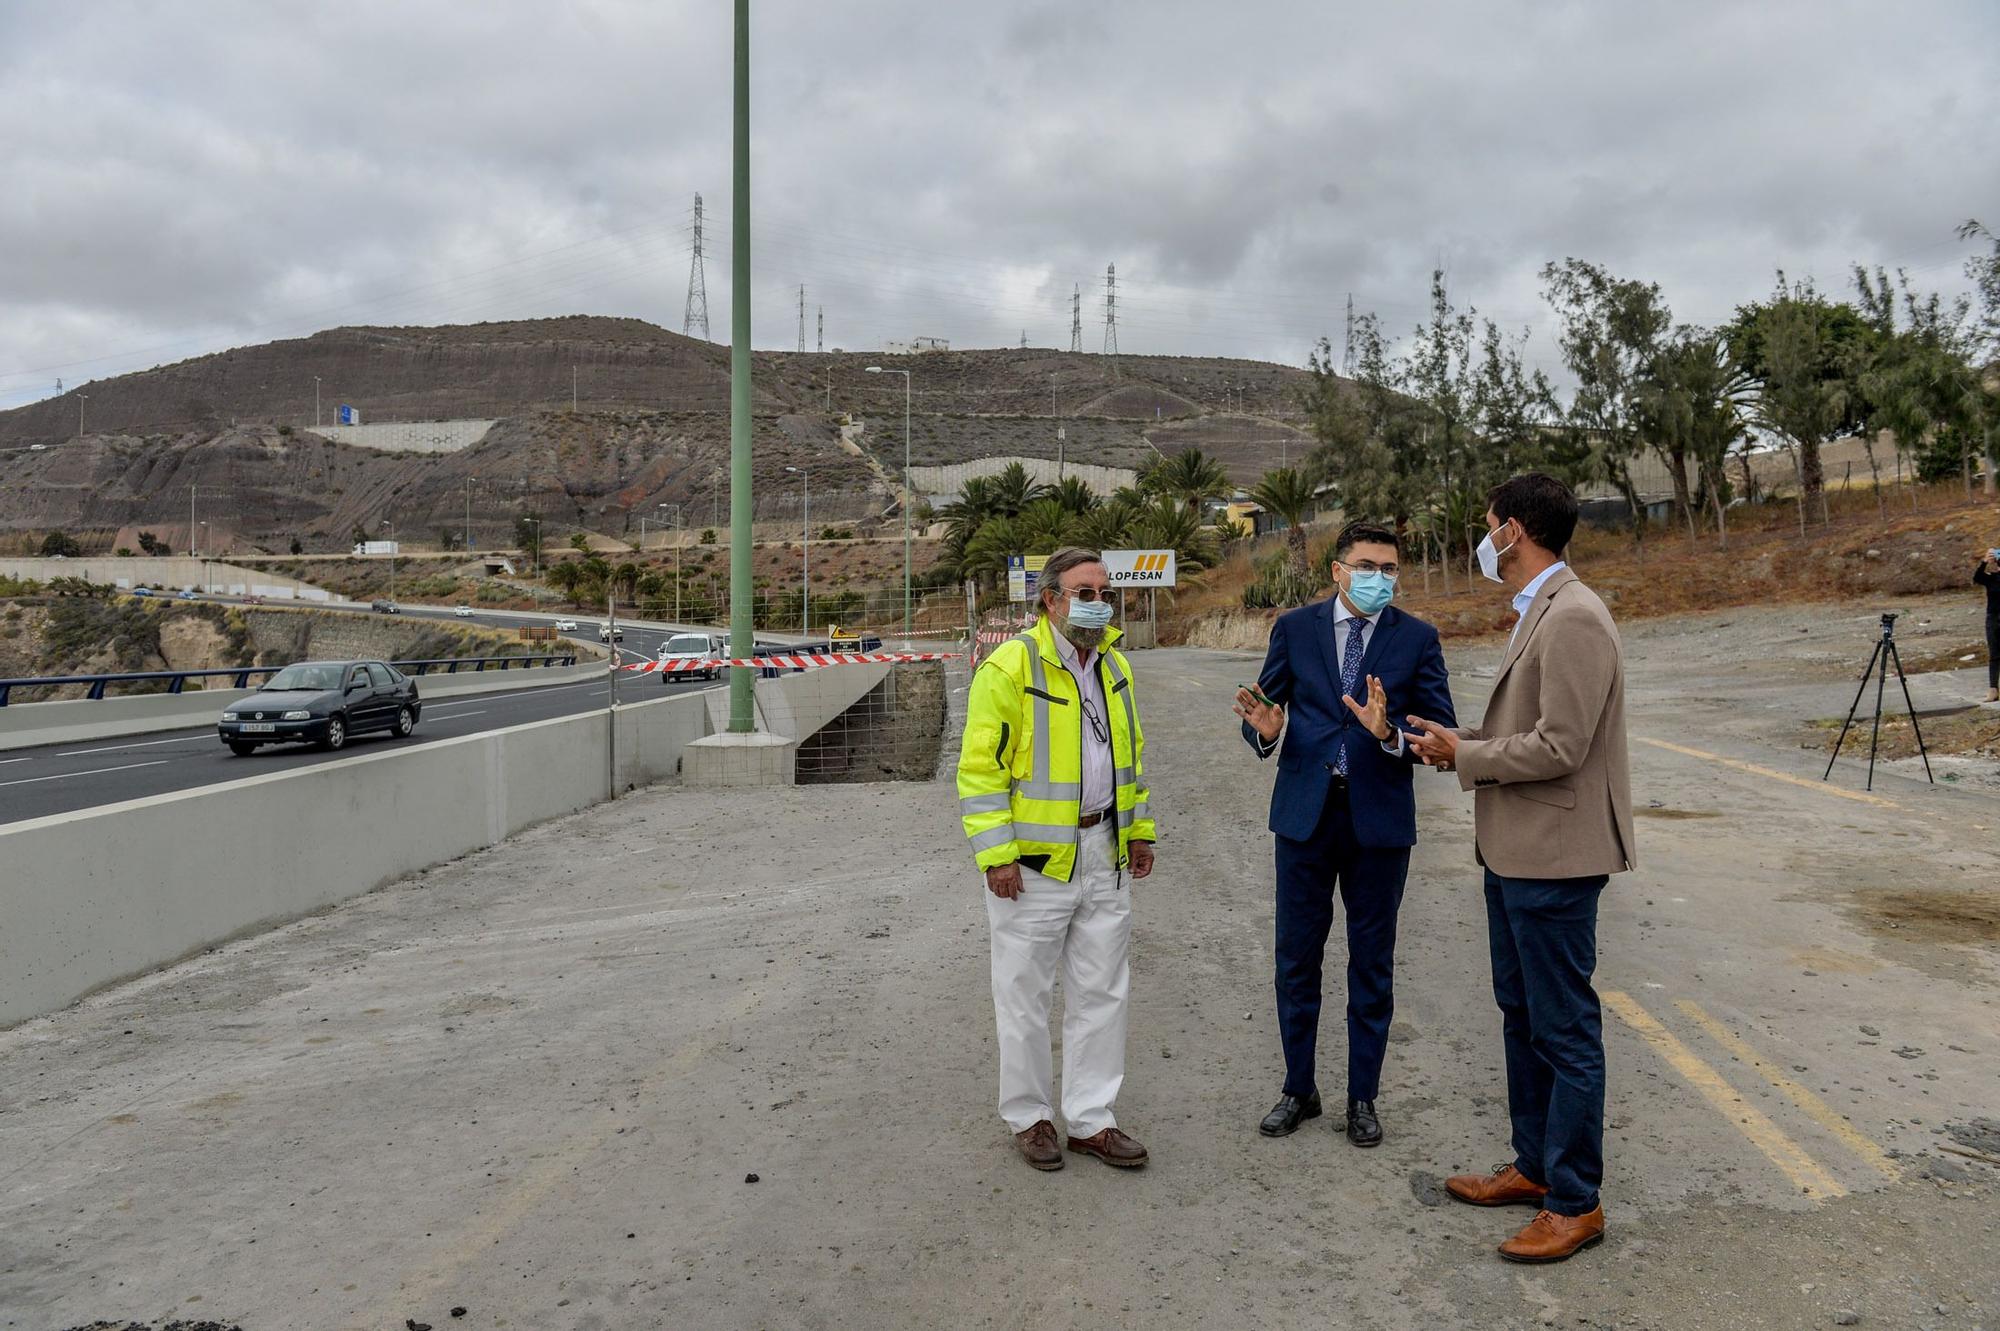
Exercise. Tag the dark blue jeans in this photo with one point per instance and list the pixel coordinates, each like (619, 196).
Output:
(1543, 933)
(1370, 883)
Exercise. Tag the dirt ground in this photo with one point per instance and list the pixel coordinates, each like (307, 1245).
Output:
(718, 1060)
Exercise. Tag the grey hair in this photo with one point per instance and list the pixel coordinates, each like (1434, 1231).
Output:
(1061, 562)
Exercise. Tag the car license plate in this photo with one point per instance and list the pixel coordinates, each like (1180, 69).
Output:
(258, 728)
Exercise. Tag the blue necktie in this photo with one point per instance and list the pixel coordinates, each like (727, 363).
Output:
(1350, 678)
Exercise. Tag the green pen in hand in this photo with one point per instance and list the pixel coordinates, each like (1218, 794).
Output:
(1257, 693)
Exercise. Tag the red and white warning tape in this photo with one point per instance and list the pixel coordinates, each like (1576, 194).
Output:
(799, 662)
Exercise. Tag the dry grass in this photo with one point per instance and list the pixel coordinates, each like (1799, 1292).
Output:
(1930, 545)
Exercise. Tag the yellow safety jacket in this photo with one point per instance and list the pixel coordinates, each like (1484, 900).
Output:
(1020, 767)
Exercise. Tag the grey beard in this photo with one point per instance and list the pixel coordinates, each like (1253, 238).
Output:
(1088, 640)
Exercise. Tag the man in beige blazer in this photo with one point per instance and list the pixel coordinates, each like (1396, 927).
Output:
(1552, 809)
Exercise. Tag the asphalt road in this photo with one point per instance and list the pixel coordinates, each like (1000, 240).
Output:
(65, 778)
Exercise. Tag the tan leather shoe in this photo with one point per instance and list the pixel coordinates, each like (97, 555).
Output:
(1505, 1186)
(1112, 1147)
(1551, 1238)
(1038, 1146)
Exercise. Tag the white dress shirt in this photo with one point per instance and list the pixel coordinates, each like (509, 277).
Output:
(1526, 597)
(1097, 787)
(1342, 628)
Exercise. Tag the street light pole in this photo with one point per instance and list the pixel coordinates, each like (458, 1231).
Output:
(678, 532)
(805, 555)
(315, 402)
(1059, 429)
(468, 513)
(193, 535)
(742, 625)
(907, 496)
(81, 398)
(392, 558)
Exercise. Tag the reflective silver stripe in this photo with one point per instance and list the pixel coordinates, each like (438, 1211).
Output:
(1125, 817)
(1131, 715)
(998, 836)
(1050, 790)
(1051, 833)
(1125, 776)
(1141, 810)
(997, 802)
(1040, 679)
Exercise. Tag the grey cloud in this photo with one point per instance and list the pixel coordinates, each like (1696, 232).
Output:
(262, 170)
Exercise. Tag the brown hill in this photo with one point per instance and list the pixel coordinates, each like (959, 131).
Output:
(652, 429)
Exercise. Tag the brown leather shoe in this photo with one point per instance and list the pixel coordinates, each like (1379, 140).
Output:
(1112, 1147)
(1551, 1238)
(1038, 1146)
(1505, 1186)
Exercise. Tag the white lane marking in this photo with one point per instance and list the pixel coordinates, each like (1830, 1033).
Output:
(477, 711)
(150, 744)
(98, 771)
(5, 761)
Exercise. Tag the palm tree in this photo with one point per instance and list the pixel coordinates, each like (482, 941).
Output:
(1166, 525)
(1012, 490)
(1045, 526)
(1073, 495)
(1190, 476)
(985, 556)
(1287, 493)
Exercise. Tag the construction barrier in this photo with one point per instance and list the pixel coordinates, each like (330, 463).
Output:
(798, 662)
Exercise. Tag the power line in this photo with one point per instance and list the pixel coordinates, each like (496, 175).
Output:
(697, 298)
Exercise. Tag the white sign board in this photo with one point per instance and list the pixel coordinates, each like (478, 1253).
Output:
(1140, 568)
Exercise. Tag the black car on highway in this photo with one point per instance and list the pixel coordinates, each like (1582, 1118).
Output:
(324, 703)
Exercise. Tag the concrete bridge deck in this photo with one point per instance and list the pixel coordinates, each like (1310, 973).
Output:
(725, 1059)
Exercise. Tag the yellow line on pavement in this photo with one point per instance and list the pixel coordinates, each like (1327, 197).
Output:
(1804, 1172)
(1817, 1109)
(1773, 774)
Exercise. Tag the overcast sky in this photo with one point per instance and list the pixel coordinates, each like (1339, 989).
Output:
(186, 177)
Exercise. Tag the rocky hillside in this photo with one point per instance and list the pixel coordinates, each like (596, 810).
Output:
(651, 428)
(79, 635)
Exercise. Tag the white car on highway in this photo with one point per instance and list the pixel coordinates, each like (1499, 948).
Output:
(565, 626)
(690, 647)
(463, 612)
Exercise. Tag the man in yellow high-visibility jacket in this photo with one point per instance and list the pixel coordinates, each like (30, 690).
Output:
(1051, 789)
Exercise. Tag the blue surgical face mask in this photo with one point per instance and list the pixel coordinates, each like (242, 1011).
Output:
(1369, 590)
(1089, 614)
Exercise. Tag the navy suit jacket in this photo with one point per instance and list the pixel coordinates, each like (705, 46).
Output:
(1302, 671)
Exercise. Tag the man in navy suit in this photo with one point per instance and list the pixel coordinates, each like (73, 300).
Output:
(1343, 809)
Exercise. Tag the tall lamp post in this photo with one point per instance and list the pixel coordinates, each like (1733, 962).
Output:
(468, 513)
(1059, 429)
(392, 559)
(315, 402)
(537, 522)
(805, 554)
(877, 369)
(81, 398)
(677, 559)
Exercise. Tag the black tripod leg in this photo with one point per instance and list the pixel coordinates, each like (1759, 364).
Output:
(1853, 707)
(1883, 649)
(1897, 657)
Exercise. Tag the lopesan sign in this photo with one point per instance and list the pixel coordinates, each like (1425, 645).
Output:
(1140, 568)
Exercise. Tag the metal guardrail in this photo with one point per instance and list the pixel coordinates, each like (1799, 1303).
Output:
(177, 679)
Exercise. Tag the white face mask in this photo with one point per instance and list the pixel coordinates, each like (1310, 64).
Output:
(1489, 558)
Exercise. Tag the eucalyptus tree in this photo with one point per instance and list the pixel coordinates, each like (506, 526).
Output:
(1613, 329)
(1800, 353)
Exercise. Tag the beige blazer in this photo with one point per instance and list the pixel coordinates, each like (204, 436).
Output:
(1551, 783)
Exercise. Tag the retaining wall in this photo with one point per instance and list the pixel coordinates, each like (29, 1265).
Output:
(94, 897)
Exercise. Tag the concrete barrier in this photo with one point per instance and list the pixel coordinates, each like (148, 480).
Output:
(30, 724)
(158, 571)
(91, 898)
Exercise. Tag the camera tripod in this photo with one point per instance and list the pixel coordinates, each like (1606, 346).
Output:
(1879, 663)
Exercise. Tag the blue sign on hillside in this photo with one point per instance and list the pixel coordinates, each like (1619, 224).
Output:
(349, 415)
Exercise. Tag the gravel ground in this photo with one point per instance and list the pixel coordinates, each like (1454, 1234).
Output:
(720, 1059)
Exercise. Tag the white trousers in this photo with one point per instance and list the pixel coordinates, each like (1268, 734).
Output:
(1083, 927)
